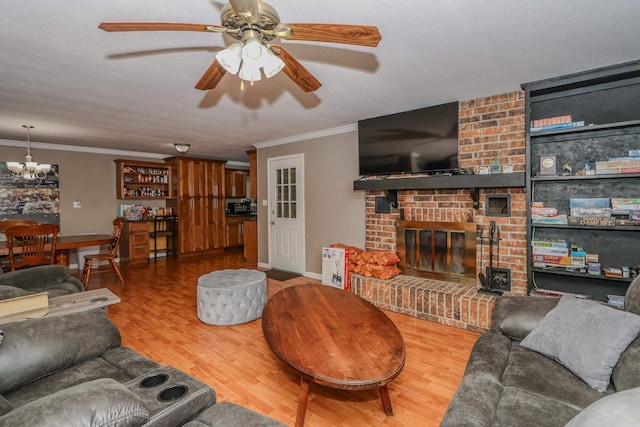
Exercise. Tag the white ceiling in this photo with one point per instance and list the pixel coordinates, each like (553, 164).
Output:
(81, 86)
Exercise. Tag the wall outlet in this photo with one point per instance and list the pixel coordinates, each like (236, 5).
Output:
(77, 204)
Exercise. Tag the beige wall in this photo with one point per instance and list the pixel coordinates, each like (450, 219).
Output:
(87, 177)
(334, 212)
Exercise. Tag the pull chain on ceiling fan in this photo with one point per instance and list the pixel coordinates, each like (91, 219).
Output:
(254, 24)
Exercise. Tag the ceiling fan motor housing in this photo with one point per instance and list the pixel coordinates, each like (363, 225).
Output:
(265, 23)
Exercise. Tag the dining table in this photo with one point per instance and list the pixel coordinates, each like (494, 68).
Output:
(65, 243)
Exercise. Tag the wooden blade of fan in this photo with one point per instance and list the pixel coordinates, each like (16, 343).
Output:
(211, 77)
(296, 72)
(158, 26)
(363, 35)
(247, 9)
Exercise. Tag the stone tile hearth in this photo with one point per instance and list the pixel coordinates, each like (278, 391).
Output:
(446, 303)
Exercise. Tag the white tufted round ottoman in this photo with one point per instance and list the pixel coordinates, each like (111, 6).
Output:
(231, 297)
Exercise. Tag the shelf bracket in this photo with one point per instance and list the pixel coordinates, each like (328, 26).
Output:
(475, 196)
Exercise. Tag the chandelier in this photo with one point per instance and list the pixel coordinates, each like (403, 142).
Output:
(29, 169)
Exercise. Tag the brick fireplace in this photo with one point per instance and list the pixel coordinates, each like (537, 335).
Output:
(489, 127)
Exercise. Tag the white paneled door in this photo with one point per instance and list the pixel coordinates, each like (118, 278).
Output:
(286, 210)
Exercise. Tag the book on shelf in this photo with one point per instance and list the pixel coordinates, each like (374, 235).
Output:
(613, 272)
(557, 126)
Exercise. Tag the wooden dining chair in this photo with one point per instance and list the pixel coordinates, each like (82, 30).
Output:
(31, 245)
(8, 223)
(110, 254)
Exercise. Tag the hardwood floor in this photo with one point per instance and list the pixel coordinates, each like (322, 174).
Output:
(157, 317)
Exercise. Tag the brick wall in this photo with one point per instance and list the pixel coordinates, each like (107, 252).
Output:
(488, 127)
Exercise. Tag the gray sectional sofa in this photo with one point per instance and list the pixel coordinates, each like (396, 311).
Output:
(71, 370)
(54, 279)
(553, 362)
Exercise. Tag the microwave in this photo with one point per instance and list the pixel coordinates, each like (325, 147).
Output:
(238, 208)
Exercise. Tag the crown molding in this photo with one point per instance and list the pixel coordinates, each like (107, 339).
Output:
(306, 136)
(82, 149)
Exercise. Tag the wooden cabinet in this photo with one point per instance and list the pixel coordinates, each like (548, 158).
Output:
(234, 232)
(199, 203)
(604, 125)
(134, 243)
(253, 174)
(250, 241)
(236, 183)
(142, 180)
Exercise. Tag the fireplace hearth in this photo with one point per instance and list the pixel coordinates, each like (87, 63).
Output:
(443, 251)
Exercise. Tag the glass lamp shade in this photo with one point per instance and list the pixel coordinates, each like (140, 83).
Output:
(15, 167)
(253, 50)
(271, 64)
(230, 58)
(250, 72)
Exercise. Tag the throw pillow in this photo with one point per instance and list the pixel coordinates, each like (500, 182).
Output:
(619, 409)
(586, 337)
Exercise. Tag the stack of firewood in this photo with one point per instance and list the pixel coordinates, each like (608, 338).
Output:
(380, 263)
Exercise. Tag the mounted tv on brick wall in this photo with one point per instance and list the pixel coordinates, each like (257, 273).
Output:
(418, 141)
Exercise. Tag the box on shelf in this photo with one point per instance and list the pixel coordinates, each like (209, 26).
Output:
(589, 202)
(580, 211)
(557, 243)
(558, 219)
(593, 268)
(592, 221)
(549, 250)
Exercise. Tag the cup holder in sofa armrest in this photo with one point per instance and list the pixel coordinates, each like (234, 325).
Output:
(154, 380)
(172, 397)
(173, 393)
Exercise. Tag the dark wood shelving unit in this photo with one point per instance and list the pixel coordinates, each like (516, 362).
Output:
(608, 101)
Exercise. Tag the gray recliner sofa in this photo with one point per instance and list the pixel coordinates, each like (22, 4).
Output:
(54, 279)
(71, 370)
(514, 377)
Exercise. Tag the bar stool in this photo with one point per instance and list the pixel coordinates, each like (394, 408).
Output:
(165, 226)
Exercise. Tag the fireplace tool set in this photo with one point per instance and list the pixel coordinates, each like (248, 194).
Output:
(496, 278)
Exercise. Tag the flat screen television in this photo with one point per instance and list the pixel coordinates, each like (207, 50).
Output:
(417, 141)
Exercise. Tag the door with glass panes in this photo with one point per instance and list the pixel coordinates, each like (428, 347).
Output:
(286, 223)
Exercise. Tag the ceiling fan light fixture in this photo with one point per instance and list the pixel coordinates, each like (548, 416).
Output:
(230, 58)
(271, 64)
(182, 148)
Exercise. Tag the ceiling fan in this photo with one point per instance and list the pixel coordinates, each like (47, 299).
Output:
(255, 24)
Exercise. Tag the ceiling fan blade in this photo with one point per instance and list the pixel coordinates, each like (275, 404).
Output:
(363, 35)
(158, 26)
(247, 9)
(296, 72)
(211, 77)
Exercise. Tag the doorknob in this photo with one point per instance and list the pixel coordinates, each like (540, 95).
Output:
(273, 223)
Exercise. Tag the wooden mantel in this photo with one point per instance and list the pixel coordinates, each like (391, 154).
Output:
(433, 182)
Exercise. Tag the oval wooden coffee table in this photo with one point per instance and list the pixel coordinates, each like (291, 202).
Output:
(333, 338)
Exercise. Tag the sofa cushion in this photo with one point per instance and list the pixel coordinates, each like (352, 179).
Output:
(586, 337)
(229, 414)
(38, 347)
(102, 402)
(517, 316)
(541, 375)
(619, 409)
